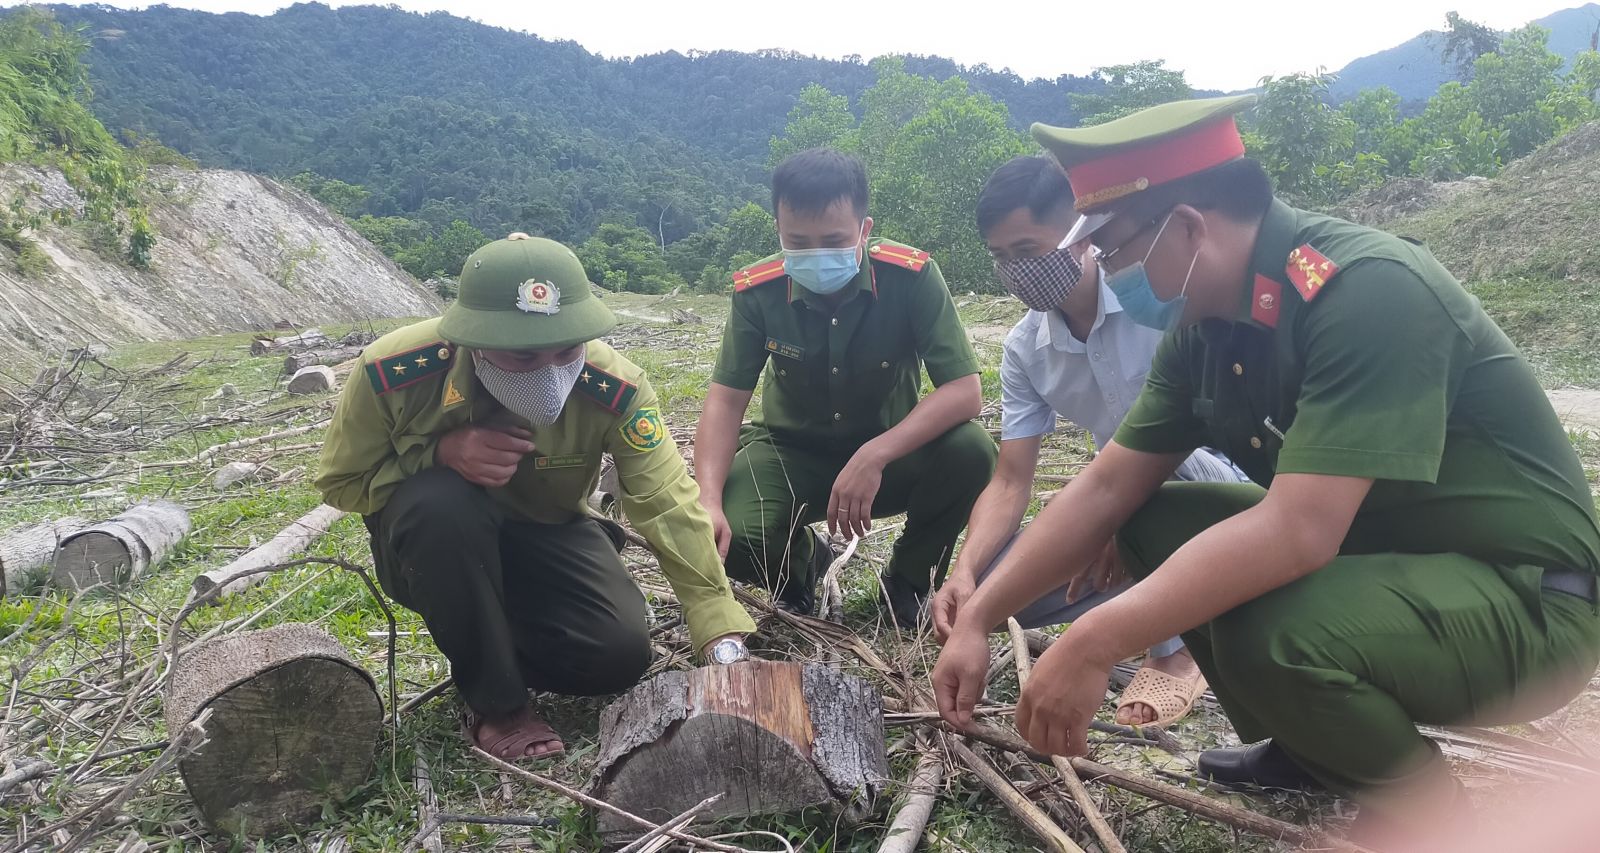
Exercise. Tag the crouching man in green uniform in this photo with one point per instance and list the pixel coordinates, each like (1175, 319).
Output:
(842, 323)
(1422, 544)
(457, 443)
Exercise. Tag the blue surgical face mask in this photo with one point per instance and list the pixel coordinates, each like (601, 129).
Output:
(1131, 285)
(823, 271)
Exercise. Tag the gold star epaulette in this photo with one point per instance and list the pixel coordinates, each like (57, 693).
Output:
(900, 255)
(759, 274)
(393, 372)
(613, 394)
(1309, 270)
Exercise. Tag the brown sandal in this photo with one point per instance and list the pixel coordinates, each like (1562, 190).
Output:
(513, 746)
(1169, 695)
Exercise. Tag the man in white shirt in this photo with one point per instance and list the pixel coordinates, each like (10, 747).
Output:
(1076, 356)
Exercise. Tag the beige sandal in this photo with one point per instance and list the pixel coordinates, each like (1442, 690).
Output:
(1169, 695)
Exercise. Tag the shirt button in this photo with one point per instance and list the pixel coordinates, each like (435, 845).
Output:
(885, 364)
(836, 321)
(1099, 357)
(837, 416)
(836, 371)
(782, 372)
(1255, 441)
(1238, 369)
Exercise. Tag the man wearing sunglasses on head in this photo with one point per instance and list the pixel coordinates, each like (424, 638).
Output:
(1076, 355)
(1420, 544)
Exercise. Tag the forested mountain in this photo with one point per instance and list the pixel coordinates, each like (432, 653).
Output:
(441, 118)
(1417, 68)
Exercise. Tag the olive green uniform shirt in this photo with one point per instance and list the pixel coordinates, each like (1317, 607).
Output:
(1390, 371)
(379, 438)
(840, 379)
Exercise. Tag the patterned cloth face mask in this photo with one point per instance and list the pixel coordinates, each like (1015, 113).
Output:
(538, 395)
(1041, 283)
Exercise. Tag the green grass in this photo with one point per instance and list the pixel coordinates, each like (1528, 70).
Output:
(112, 634)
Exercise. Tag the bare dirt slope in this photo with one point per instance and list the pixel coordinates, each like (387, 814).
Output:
(235, 252)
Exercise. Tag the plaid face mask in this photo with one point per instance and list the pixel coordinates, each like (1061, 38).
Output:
(1040, 283)
(537, 395)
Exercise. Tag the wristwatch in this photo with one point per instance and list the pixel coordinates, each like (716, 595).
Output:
(729, 650)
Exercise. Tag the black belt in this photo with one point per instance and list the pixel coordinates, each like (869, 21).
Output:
(1581, 584)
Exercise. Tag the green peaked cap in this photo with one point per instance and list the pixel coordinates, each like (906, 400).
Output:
(1072, 146)
(524, 293)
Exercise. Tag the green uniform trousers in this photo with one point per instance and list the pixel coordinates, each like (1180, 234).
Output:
(775, 488)
(512, 604)
(1338, 666)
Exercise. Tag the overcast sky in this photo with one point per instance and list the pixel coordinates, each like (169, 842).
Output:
(1220, 45)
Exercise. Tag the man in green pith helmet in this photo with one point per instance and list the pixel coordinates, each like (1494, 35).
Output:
(458, 444)
(842, 324)
(1420, 542)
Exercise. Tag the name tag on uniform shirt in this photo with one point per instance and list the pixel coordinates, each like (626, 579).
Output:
(786, 350)
(574, 460)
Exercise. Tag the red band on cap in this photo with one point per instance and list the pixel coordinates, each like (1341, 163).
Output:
(1126, 172)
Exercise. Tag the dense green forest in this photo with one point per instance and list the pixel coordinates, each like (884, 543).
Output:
(432, 133)
(44, 120)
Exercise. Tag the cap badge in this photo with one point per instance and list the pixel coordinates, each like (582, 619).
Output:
(538, 297)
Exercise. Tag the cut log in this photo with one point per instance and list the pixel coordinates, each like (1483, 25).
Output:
(290, 541)
(309, 339)
(774, 737)
(25, 555)
(312, 380)
(295, 363)
(121, 549)
(294, 725)
(234, 473)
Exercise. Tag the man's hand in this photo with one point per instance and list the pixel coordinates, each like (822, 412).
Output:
(958, 677)
(850, 504)
(486, 456)
(1062, 696)
(947, 604)
(1104, 573)
(720, 528)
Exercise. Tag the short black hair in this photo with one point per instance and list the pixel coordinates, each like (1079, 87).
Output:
(1239, 190)
(812, 180)
(1035, 183)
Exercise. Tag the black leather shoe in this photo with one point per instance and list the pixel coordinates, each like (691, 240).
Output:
(1264, 765)
(799, 594)
(905, 602)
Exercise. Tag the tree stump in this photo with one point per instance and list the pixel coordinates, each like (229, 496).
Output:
(773, 737)
(294, 725)
(25, 554)
(295, 363)
(121, 549)
(312, 380)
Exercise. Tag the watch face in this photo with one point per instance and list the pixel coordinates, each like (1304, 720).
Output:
(727, 651)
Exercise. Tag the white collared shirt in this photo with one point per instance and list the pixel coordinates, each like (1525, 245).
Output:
(1046, 372)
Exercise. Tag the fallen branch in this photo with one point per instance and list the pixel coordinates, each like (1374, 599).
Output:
(211, 452)
(293, 539)
(645, 840)
(916, 806)
(427, 809)
(1023, 808)
(1080, 795)
(591, 802)
(186, 740)
(25, 770)
(832, 608)
(1216, 810)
